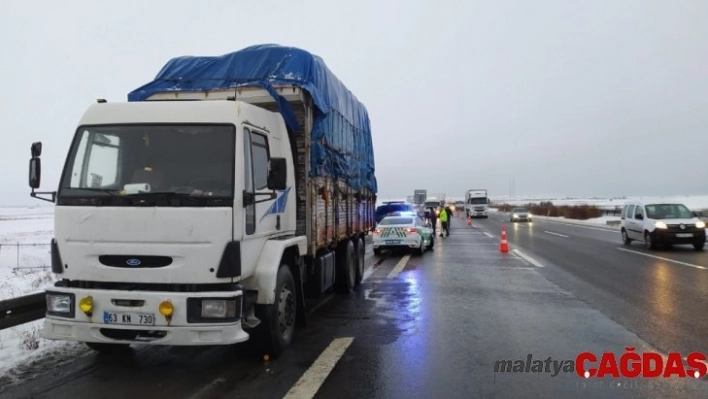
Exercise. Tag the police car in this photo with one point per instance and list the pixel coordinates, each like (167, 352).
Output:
(402, 231)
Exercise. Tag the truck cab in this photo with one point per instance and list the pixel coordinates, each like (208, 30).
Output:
(477, 203)
(197, 214)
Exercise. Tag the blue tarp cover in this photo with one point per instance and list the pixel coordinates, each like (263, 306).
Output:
(341, 134)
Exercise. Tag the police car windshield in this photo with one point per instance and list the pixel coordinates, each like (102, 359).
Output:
(668, 211)
(393, 220)
(386, 209)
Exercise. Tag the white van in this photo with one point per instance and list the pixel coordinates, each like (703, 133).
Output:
(661, 223)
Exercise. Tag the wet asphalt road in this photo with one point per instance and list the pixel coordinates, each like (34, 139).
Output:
(663, 301)
(434, 326)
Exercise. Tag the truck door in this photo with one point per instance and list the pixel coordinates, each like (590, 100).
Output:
(259, 219)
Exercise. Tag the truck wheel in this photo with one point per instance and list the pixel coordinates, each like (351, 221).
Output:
(346, 267)
(101, 347)
(277, 326)
(625, 238)
(360, 264)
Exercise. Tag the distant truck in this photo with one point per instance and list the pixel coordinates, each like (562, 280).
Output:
(476, 203)
(436, 202)
(419, 197)
(209, 206)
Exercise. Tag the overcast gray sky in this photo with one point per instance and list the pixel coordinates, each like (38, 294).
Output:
(569, 97)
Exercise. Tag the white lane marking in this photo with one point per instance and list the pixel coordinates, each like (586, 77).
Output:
(581, 225)
(368, 274)
(310, 382)
(556, 234)
(661, 258)
(401, 264)
(488, 235)
(527, 258)
(514, 268)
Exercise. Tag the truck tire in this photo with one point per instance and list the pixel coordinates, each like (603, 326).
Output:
(277, 327)
(346, 267)
(360, 258)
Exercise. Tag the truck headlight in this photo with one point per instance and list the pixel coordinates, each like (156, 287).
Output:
(218, 309)
(701, 225)
(660, 225)
(214, 310)
(60, 304)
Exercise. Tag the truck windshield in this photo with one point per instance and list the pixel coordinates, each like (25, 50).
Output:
(478, 201)
(165, 161)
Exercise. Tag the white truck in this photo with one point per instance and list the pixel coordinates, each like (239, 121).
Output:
(435, 201)
(209, 206)
(419, 197)
(476, 203)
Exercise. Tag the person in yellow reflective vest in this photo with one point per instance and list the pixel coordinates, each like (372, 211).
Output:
(444, 220)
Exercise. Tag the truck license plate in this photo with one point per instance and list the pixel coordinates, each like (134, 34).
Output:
(135, 319)
(390, 242)
(684, 235)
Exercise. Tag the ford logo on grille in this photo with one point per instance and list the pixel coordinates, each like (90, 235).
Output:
(133, 262)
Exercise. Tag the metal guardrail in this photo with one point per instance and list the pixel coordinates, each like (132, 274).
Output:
(21, 310)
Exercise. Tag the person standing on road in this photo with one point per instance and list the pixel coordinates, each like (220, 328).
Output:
(433, 220)
(450, 215)
(443, 221)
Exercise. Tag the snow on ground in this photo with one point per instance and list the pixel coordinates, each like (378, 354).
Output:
(25, 236)
(21, 348)
(693, 202)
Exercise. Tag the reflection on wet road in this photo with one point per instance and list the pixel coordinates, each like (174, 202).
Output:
(419, 326)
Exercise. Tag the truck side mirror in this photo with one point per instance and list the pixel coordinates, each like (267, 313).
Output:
(35, 172)
(36, 149)
(278, 174)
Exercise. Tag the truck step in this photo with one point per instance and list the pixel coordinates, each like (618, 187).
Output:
(250, 321)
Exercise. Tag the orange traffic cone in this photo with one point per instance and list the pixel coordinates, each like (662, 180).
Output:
(504, 246)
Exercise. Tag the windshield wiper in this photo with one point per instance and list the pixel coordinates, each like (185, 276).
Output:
(111, 192)
(172, 198)
(158, 194)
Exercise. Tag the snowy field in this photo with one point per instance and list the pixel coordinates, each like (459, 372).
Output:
(25, 234)
(693, 202)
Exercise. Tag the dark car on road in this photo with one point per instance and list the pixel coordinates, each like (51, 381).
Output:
(520, 215)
